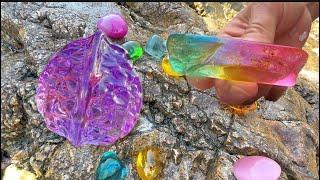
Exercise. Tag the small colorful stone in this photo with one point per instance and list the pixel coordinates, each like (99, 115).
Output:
(110, 167)
(156, 47)
(256, 167)
(113, 25)
(148, 163)
(167, 69)
(134, 50)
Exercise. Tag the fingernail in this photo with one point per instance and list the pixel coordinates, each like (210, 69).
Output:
(303, 36)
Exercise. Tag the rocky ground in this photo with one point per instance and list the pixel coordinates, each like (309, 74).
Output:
(199, 138)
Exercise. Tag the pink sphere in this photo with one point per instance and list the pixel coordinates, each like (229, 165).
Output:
(113, 25)
(256, 168)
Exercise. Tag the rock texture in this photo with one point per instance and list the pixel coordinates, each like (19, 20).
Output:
(200, 139)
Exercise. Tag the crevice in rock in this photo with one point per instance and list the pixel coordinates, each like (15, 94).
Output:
(46, 161)
(30, 74)
(24, 118)
(211, 167)
(12, 48)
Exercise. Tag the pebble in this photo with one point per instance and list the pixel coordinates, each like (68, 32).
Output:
(256, 167)
(113, 25)
(156, 47)
(110, 167)
(134, 50)
(148, 163)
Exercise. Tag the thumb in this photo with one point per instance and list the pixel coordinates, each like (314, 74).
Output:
(262, 23)
(263, 19)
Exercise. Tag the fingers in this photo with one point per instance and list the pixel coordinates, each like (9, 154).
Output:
(236, 27)
(314, 10)
(275, 93)
(296, 38)
(200, 83)
(263, 90)
(299, 33)
(235, 93)
(255, 24)
(262, 23)
(268, 23)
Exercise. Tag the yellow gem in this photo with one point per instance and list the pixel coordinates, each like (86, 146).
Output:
(166, 67)
(148, 163)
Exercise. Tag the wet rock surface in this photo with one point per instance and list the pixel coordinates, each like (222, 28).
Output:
(199, 138)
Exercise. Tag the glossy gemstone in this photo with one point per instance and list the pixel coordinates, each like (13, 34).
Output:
(256, 167)
(134, 50)
(148, 163)
(156, 47)
(89, 92)
(234, 59)
(113, 25)
(110, 167)
(167, 69)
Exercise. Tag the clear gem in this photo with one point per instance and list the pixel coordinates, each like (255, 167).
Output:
(156, 47)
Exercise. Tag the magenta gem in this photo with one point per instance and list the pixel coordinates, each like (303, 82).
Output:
(89, 92)
(113, 25)
(256, 167)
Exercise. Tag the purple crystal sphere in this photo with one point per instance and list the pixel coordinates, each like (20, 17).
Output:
(256, 167)
(113, 25)
(89, 92)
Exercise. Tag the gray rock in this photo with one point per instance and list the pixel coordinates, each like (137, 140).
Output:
(199, 138)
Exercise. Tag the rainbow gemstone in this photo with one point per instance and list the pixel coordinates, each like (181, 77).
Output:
(234, 59)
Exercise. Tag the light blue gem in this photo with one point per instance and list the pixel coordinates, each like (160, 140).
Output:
(110, 167)
(156, 47)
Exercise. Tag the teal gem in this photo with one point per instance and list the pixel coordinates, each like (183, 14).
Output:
(134, 50)
(156, 47)
(110, 167)
(188, 53)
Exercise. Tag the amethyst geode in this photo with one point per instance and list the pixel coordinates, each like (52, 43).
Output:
(89, 92)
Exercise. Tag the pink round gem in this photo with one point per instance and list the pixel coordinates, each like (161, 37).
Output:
(256, 167)
(113, 25)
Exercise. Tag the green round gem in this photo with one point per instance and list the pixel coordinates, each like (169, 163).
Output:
(134, 49)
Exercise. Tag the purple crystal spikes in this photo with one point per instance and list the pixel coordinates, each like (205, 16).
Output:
(89, 92)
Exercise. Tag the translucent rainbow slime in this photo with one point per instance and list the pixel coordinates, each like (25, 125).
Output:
(235, 59)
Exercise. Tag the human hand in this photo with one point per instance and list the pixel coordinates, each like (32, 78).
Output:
(279, 23)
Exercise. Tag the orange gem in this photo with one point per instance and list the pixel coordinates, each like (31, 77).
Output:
(242, 110)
